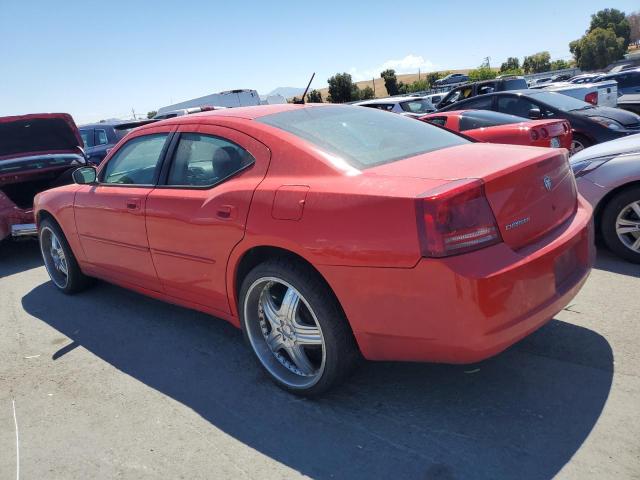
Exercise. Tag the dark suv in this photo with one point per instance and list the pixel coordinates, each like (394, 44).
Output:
(99, 139)
(480, 88)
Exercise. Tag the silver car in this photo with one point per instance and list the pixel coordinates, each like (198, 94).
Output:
(411, 106)
(608, 176)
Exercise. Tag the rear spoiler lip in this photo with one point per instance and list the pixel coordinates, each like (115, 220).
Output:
(135, 123)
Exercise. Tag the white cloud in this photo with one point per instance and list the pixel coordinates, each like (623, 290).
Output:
(409, 64)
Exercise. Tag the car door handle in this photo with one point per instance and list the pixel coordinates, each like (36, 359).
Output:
(226, 212)
(133, 204)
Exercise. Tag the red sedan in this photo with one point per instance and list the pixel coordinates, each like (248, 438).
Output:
(325, 232)
(495, 127)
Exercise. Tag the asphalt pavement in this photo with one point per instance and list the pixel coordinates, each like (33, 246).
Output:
(111, 384)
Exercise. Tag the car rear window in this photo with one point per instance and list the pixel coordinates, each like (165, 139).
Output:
(515, 84)
(363, 137)
(485, 118)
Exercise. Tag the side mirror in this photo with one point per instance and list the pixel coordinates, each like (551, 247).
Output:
(85, 175)
(535, 114)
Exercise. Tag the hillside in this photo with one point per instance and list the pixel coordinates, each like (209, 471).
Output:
(378, 83)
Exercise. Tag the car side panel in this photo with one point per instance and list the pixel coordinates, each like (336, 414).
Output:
(58, 202)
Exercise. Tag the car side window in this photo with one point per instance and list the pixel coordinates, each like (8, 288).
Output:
(381, 106)
(518, 106)
(101, 137)
(442, 121)
(87, 137)
(136, 162)
(479, 103)
(204, 160)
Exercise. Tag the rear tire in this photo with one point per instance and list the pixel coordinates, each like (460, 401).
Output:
(620, 224)
(59, 260)
(295, 327)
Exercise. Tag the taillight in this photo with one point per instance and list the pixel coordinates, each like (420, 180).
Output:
(591, 98)
(544, 133)
(534, 135)
(456, 218)
(565, 125)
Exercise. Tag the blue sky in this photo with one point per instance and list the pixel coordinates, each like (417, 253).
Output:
(101, 59)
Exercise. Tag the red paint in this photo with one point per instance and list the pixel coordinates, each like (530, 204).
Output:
(535, 133)
(360, 230)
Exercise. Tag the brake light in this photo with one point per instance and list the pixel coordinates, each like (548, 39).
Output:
(565, 125)
(456, 218)
(544, 133)
(591, 98)
(534, 135)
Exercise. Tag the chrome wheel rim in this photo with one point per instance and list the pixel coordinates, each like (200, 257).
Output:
(284, 332)
(576, 146)
(54, 257)
(628, 226)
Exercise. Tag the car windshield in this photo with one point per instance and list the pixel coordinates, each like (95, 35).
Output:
(87, 138)
(363, 137)
(562, 102)
(416, 106)
(485, 118)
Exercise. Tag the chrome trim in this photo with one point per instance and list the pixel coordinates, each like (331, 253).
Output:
(24, 230)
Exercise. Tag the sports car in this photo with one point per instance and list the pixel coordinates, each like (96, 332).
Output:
(327, 233)
(495, 127)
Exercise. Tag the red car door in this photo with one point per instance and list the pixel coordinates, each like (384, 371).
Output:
(110, 215)
(198, 213)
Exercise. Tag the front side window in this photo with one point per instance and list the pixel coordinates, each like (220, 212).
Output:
(101, 137)
(442, 121)
(363, 137)
(205, 160)
(136, 162)
(87, 137)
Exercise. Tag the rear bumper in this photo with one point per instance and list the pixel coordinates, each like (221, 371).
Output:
(469, 307)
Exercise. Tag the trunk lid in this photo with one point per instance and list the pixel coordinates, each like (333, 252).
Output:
(38, 133)
(530, 190)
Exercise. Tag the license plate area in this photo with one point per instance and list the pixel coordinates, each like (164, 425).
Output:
(555, 142)
(565, 267)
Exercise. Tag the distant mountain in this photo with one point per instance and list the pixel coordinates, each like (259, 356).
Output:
(287, 92)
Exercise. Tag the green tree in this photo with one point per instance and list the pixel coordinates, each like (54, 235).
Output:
(314, 96)
(515, 71)
(390, 81)
(512, 63)
(342, 89)
(597, 49)
(482, 73)
(152, 114)
(537, 63)
(560, 65)
(612, 19)
(366, 93)
(418, 86)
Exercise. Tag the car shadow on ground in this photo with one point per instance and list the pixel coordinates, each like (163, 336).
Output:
(610, 262)
(18, 256)
(521, 415)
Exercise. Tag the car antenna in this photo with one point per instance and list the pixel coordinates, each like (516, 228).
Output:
(301, 101)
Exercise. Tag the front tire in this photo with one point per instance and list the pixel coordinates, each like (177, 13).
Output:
(620, 224)
(579, 143)
(59, 260)
(295, 327)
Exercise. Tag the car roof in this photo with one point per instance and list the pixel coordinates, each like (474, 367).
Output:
(376, 101)
(103, 124)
